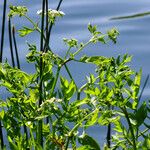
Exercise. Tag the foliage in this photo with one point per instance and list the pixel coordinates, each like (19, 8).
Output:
(45, 110)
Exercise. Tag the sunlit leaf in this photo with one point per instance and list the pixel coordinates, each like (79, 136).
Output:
(25, 31)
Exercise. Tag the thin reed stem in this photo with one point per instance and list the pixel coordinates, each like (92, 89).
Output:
(46, 47)
(145, 83)
(130, 127)
(10, 42)
(40, 136)
(51, 25)
(15, 45)
(3, 30)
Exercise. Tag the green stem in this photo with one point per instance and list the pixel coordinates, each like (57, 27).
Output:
(143, 132)
(34, 24)
(51, 25)
(15, 45)
(67, 53)
(55, 81)
(40, 136)
(67, 143)
(81, 48)
(10, 42)
(3, 32)
(130, 127)
(79, 123)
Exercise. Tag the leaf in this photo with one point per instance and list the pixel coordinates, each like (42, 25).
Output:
(25, 31)
(93, 118)
(17, 10)
(112, 34)
(12, 145)
(141, 114)
(86, 147)
(2, 113)
(87, 140)
(118, 126)
(92, 29)
(80, 102)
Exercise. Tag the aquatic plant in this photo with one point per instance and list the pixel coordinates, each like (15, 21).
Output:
(46, 110)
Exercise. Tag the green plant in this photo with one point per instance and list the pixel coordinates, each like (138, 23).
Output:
(46, 110)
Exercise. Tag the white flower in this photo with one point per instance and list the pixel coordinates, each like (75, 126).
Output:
(52, 13)
(39, 12)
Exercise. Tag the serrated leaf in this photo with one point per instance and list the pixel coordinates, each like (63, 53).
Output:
(25, 31)
(87, 140)
(93, 118)
(80, 102)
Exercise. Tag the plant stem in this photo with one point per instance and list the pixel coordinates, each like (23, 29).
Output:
(145, 83)
(109, 135)
(15, 45)
(130, 127)
(3, 30)
(40, 136)
(34, 25)
(46, 40)
(10, 42)
(1, 58)
(55, 81)
(80, 122)
(81, 48)
(67, 143)
(51, 25)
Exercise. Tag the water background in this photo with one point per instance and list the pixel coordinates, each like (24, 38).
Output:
(134, 36)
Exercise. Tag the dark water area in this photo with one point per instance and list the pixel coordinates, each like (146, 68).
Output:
(134, 37)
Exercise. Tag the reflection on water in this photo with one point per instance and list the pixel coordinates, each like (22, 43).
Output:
(134, 33)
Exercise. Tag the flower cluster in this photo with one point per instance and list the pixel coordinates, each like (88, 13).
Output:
(52, 14)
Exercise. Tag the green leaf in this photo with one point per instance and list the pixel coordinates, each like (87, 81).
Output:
(2, 113)
(112, 34)
(92, 29)
(87, 140)
(93, 118)
(80, 102)
(12, 145)
(118, 126)
(25, 31)
(141, 114)
(17, 10)
(85, 147)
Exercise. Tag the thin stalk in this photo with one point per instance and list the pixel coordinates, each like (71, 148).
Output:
(145, 83)
(79, 123)
(40, 136)
(67, 53)
(141, 133)
(46, 40)
(51, 25)
(67, 143)
(34, 24)
(80, 49)
(130, 127)
(10, 42)
(15, 45)
(55, 81)
(109, 133)
(3, 31)
(70, 75)
(1, 136)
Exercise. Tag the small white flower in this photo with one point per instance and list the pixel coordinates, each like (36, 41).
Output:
(52, 13)
(39, 12)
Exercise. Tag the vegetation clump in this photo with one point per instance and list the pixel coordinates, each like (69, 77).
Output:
(46, 110)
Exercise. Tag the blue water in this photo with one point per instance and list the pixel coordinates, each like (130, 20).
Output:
(134, 36)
